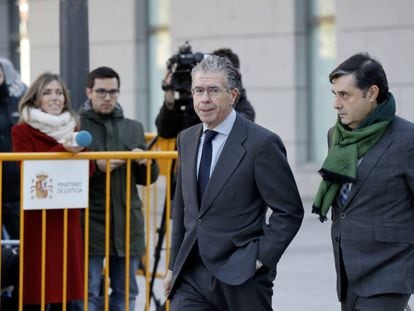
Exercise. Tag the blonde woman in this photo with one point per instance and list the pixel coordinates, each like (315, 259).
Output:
(47, 124)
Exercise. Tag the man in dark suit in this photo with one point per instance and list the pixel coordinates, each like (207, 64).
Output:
(368, 179)
(224, 249)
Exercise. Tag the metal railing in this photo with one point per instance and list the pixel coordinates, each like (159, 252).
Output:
(166, 157)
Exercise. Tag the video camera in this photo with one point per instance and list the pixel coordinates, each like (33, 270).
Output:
(185, 60)
(181, 114)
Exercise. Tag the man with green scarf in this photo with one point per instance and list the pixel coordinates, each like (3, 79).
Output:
(368, 180)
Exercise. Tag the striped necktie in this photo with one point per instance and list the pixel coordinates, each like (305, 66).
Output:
(344, 193)
(346, 188)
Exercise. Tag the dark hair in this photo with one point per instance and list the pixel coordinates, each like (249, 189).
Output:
(215, 63)
(229, 54)
(101, 73)
(367, 72)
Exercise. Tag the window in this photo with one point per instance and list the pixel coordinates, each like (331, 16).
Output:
(159, 52)
(322, 49)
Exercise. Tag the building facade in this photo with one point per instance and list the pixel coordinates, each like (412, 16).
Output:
(287, 49)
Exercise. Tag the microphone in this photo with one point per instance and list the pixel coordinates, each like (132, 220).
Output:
(81, 139)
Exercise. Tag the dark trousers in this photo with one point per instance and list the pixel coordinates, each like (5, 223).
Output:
(382, 302)
(49, 307)
(198, 290)
(11, 218)
(350, 301)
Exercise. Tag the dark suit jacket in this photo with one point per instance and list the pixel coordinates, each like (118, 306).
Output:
(251, 174)
(374, 230)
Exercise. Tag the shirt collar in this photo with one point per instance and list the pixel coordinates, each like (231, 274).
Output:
(225, 126)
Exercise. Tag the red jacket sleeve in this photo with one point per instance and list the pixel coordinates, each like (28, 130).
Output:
(27, 139)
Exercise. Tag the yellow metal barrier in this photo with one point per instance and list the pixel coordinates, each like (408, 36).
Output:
(166, 156)
(161, 144)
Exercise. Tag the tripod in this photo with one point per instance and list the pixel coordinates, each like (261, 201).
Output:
(159, 305)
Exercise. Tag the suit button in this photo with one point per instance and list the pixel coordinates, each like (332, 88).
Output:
(336, 239)
(342, 215)
(199, 221)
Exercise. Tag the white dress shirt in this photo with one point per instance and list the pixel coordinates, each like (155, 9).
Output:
(223, 129)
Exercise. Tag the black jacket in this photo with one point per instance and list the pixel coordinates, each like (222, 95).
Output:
(114, 132)
(8, 117)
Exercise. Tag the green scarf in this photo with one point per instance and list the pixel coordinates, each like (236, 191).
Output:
(346, 147)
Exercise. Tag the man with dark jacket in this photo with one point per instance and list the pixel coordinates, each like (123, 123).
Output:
(178, 114)
(236, 204)
(368, 179)
(9, 115)
(103, 117)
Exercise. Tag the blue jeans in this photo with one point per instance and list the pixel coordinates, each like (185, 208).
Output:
(117, 283)
(76, 305)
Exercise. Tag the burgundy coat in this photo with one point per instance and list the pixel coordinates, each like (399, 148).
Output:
(28, 139)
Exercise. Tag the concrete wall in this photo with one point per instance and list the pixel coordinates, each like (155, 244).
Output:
(114, 42)
(386, 30)
(270, 37)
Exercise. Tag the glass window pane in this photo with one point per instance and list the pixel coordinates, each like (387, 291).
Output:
(323, 60)
(159, 52)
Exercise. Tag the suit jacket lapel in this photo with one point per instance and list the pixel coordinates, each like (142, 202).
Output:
(190, 175)
(230, 157)
(368, 163)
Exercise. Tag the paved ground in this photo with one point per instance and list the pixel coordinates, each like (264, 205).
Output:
(306, 277)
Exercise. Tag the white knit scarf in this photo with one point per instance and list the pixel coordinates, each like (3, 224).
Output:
(59, 127)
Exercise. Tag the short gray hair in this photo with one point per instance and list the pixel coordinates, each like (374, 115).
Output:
(213, 63)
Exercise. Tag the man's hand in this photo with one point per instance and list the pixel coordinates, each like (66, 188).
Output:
(140, 161)
(169, 96)
(113, 164)
(167, 283)
(1, 77)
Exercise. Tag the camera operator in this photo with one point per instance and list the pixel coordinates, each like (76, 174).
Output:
(177, 112)
(243, 105)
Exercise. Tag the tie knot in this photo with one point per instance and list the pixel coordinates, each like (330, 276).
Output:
(209, 135)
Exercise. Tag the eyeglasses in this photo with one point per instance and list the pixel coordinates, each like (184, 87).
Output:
(213, 91)
(102, 93)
